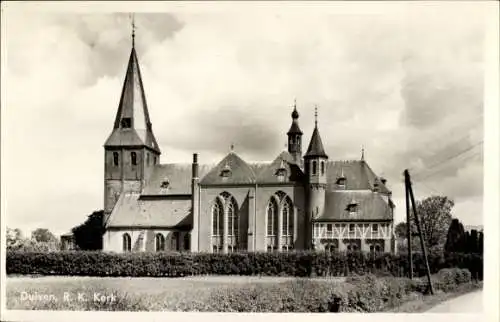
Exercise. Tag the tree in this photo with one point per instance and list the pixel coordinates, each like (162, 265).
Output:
(472, 242)
(435, 219)
(400, 230)
(16, 242)
(14, 238)
(43, 235)
(480, 243)
(88, 236)
(456, 237)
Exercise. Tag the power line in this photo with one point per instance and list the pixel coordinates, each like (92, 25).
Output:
(451, 157)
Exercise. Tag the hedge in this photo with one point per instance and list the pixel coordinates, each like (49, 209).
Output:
(358, 294)
(300, 264)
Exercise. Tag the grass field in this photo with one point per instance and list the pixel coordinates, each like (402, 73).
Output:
(118, 293)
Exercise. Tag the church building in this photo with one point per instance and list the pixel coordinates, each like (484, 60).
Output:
(297, 201)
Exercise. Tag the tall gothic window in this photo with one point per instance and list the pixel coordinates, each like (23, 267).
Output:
(160, 242)
(174, 241)
(115, 158)
(217, 225)
(186, 241)
(225, 208)
(322, 167)
(288, 224)
(272, 225)
(127, 242)
(314, 167)
(233, 224)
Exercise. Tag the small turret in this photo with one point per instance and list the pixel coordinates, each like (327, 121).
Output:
(295, 137)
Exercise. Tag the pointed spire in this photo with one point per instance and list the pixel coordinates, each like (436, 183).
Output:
(132, 125)
(362, 153)
(294, 128)
(316, 148)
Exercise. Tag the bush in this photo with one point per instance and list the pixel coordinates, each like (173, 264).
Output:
(299, 264)
(366, 293)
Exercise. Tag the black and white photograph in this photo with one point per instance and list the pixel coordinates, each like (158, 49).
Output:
(249, 157)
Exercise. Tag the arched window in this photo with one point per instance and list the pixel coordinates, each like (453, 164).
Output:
(115, 158)
(217, 225)
(288, 224)
(174, 241)
(133, 158)
(272, 224)
(127, 243)
(232, 223)
(187, 245)
(314, 167)
(322, 167)
(160, 242)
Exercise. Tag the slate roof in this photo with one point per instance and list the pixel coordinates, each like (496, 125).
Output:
(371, 206)
(315, 148)
(269, 172)
(133, 105)
(178, 176)
(131, 210)
(358, 174)
(240, 172)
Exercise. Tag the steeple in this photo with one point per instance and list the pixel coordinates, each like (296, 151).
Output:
(132, 125)
(315, 148)
(295, 137)
(294, 128)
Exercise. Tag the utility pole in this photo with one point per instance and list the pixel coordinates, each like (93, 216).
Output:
(409, 190)
(408, 225)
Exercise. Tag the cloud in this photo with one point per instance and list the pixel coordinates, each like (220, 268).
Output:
(406, 87)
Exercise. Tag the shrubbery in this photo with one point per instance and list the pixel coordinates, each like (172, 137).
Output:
(298, 264)
(358, 294)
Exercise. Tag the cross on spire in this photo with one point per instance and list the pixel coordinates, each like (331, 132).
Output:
(362, 153)
(232, 147)
(133, 30)
(316, 115)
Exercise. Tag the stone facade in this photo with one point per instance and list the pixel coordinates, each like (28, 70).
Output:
(295, 201)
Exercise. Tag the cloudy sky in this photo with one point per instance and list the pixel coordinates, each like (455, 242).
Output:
(406, 84)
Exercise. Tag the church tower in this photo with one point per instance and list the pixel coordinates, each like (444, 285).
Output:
(131, 150)
(315, 161)
(295, 137)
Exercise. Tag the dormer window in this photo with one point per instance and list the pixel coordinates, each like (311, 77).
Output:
(226, 171)
(281, 171)
(352, 207)
(376, 187)
(165, 183)
(126, 122)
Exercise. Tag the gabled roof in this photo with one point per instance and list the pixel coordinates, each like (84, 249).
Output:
(240, 172)
(269, 173)
(178, 176)
(315, 148)
(133, 106)
(359, 176)
(131, 210)
(371, 206)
